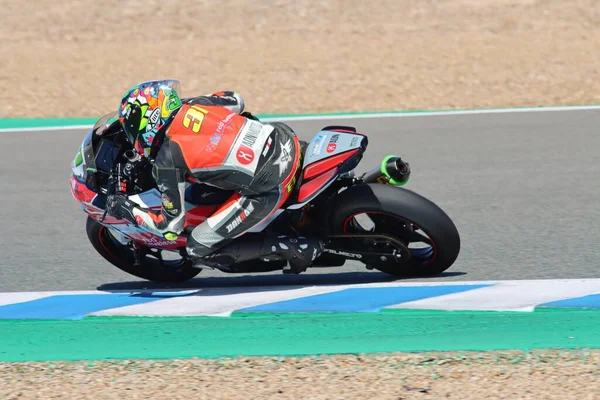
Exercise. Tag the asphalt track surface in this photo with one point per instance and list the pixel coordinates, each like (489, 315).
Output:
(523, 189)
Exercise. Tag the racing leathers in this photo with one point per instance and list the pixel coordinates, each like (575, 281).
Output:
(212, 141)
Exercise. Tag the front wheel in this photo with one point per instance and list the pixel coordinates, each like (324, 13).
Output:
(121, 256)
(419, 224)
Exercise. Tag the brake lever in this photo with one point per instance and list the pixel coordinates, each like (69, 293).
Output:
(123, 177)
(114, 179)
(109, 192)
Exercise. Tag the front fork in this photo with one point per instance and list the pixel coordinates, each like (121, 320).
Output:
(392, 171)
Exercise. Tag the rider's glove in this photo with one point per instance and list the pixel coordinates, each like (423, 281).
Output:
(120, 207)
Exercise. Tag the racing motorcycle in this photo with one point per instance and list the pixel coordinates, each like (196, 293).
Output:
(369, 218)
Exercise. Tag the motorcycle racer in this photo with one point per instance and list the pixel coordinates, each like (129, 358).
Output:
(210, 139)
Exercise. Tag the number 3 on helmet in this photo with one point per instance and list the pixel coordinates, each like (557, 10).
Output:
(146, 108)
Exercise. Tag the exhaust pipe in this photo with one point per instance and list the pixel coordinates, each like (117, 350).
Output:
(392, 171)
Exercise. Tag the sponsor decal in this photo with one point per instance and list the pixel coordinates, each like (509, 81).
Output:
(332, 143)
(153, 119)
(286, 156)
(78, 159)
(251, 134)
(248, 146)
(139, 220)
(153, 242)
(77, 168)
(290, 185)
(216, 138)
(267, 146)
(245, 155)
(210, 147)
(166, 202)
(245, 152)
(238, 220)
(344, 253)
(318, 144)
(353, 141)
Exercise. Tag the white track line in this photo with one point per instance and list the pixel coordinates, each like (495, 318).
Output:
(46, 128)
(497, 295)
(507, 296)
(360, 116)
(434, 113)
(252, 288)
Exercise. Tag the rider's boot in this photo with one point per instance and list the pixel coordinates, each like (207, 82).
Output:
(300, 252)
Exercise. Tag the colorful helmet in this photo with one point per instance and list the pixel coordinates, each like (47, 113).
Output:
(146, 108)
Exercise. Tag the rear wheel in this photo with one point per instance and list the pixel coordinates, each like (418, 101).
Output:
(407, 217)
(121, 256)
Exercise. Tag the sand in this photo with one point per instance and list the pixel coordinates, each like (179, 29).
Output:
(560, 375)
(78, 58)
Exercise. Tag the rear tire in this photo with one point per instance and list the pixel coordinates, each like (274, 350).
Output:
(408, 208)
(121, 256)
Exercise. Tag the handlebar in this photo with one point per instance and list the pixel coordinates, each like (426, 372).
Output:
(125, 177)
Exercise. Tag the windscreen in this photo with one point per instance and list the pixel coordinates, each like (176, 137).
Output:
(97, 153)
(104, 122)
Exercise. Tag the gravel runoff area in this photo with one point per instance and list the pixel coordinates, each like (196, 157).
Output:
(77, 58)
(74, 58)
(556, 374)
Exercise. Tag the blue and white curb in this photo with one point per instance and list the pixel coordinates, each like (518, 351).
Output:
(520, 296)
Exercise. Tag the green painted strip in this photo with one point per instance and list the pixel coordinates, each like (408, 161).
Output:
(17, 123)
(98, 338)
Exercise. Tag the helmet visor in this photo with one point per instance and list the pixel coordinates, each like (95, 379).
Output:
(131, 123)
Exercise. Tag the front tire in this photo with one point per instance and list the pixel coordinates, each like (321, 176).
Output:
(399, 213)
(121, 256)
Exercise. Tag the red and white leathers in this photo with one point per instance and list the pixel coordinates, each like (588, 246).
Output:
(209, 142)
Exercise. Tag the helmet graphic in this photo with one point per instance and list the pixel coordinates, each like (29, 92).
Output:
(146, 108)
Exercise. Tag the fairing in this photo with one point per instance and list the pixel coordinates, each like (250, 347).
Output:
(328, 143)
(333, 151)
(330, 153)
(93, 156)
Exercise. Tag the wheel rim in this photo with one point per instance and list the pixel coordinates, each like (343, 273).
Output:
(113, 246)
(423, 250)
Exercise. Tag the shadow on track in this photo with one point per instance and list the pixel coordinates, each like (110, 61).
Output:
(263, 283)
